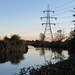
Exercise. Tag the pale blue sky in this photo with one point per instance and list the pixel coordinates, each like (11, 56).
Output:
(23, 16)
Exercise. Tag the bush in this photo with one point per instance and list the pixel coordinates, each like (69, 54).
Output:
(15, 43)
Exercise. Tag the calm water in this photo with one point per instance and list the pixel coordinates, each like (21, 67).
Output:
(11, 64)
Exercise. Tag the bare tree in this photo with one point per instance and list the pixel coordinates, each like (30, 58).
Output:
(42, 37)
(59, 35)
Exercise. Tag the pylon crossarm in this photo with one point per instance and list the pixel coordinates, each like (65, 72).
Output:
(54, 17)
(44, 17)
(48, 23)
(48, 11)
(48, 17)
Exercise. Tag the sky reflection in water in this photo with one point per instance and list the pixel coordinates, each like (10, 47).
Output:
(33, 57)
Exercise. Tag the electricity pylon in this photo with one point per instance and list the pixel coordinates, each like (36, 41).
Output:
(48, 22)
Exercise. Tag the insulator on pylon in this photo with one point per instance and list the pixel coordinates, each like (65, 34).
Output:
(43, 11)
(41, 17)
(74, 15)
(56, 18)
(53, 12)
(73, 21)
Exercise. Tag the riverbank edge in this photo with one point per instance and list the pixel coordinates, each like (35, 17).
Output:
(66, 67)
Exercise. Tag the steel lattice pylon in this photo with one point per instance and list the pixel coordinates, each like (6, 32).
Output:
(48, 22)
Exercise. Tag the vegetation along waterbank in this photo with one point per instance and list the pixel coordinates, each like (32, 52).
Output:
(13, 44)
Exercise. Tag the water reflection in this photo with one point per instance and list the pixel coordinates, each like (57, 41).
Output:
(13, 57)
(53, 55)
(49, 55)
(31, 57)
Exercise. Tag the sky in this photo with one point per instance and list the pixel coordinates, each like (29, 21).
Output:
(22, 17)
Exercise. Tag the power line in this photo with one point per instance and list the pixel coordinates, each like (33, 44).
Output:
(57, 24)
(66, 17)
(64, 22)
(62, 12)
(64, 4)
(66, 8)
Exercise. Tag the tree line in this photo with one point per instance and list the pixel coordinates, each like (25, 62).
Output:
(69, 43)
